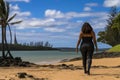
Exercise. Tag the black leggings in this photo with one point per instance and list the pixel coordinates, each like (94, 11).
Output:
(87, 53)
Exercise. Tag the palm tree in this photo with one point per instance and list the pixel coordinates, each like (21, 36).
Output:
(5, 21)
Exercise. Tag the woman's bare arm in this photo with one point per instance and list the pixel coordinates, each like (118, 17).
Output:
(80, 36)
(94, 40)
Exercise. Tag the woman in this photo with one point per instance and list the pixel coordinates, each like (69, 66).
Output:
(87, 39)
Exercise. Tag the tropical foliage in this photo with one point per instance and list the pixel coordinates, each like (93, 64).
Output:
(115, 49)
(5, 21)
(111, 35)
(116, 23)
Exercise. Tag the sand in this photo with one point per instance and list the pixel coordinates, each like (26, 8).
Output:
(102, 69)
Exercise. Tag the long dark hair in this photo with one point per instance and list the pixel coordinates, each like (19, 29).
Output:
(86, 28)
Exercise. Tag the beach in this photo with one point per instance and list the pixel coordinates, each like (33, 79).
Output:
(102, 69)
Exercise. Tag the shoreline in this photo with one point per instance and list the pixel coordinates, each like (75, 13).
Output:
(101, 69)
(105, 68)
(99, 55)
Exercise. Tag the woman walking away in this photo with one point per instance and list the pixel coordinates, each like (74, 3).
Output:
(87, 39)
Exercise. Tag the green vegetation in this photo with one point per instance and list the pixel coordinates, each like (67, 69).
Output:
(116, 23)
(111, 34)
(115, 49)
(28, 46)
(40, 45)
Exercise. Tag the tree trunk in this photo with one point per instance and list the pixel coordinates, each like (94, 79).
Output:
(7, 47)
(3, 44)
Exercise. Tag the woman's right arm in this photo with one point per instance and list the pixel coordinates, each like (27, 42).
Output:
(94, 40)
(80, 36)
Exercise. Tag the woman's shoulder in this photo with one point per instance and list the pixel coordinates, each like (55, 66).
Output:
(81, 33)
(86, 35)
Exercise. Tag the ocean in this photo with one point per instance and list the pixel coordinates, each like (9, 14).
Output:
(44, 57)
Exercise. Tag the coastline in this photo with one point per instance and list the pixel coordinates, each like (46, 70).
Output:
(98, 55)
(102, 69)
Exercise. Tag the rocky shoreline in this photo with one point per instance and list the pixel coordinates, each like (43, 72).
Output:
(16, 69)
(96, 56)
(15, 62)
(18, 62)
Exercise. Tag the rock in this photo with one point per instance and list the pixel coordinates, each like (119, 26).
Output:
(75, 59)
(17, 61)
(22, 75)
(65, 60)
(30, 76)
(40, 78)
(106, 55)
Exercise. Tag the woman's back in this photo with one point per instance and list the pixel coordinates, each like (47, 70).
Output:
(86, 38)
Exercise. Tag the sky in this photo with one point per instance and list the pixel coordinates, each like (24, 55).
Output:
(58, 21)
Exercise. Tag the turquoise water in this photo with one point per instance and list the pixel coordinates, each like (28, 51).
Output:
(44, 57)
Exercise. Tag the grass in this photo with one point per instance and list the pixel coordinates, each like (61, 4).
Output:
(115, 49)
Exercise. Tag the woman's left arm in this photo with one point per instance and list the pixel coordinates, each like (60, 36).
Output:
(94, 40)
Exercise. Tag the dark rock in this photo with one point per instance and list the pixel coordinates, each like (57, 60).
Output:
(30, 76)
(75, 59)
(24, 64)
(63, 65)
(40, 78)
(106, 55)
(99, 67)
(17, 61)
(64, 60)
(22, 75)
(70, 67)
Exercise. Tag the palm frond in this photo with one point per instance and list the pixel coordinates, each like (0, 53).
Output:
(11, 18)
(7, 10)
(3, 9)
(12, 23)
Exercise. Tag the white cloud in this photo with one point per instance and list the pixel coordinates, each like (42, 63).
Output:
(54, 29)
(91, 4)
(39, 23)
(73, 25)
(69, 15)
(52, 22)
(110, 3)
(84, 14)
(21, 14)
(14, 7)
(87, 9)
(74, 34)
(31, 36)
(52, 13)
(18, 0)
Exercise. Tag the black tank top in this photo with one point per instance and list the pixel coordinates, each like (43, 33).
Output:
(87, 41)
